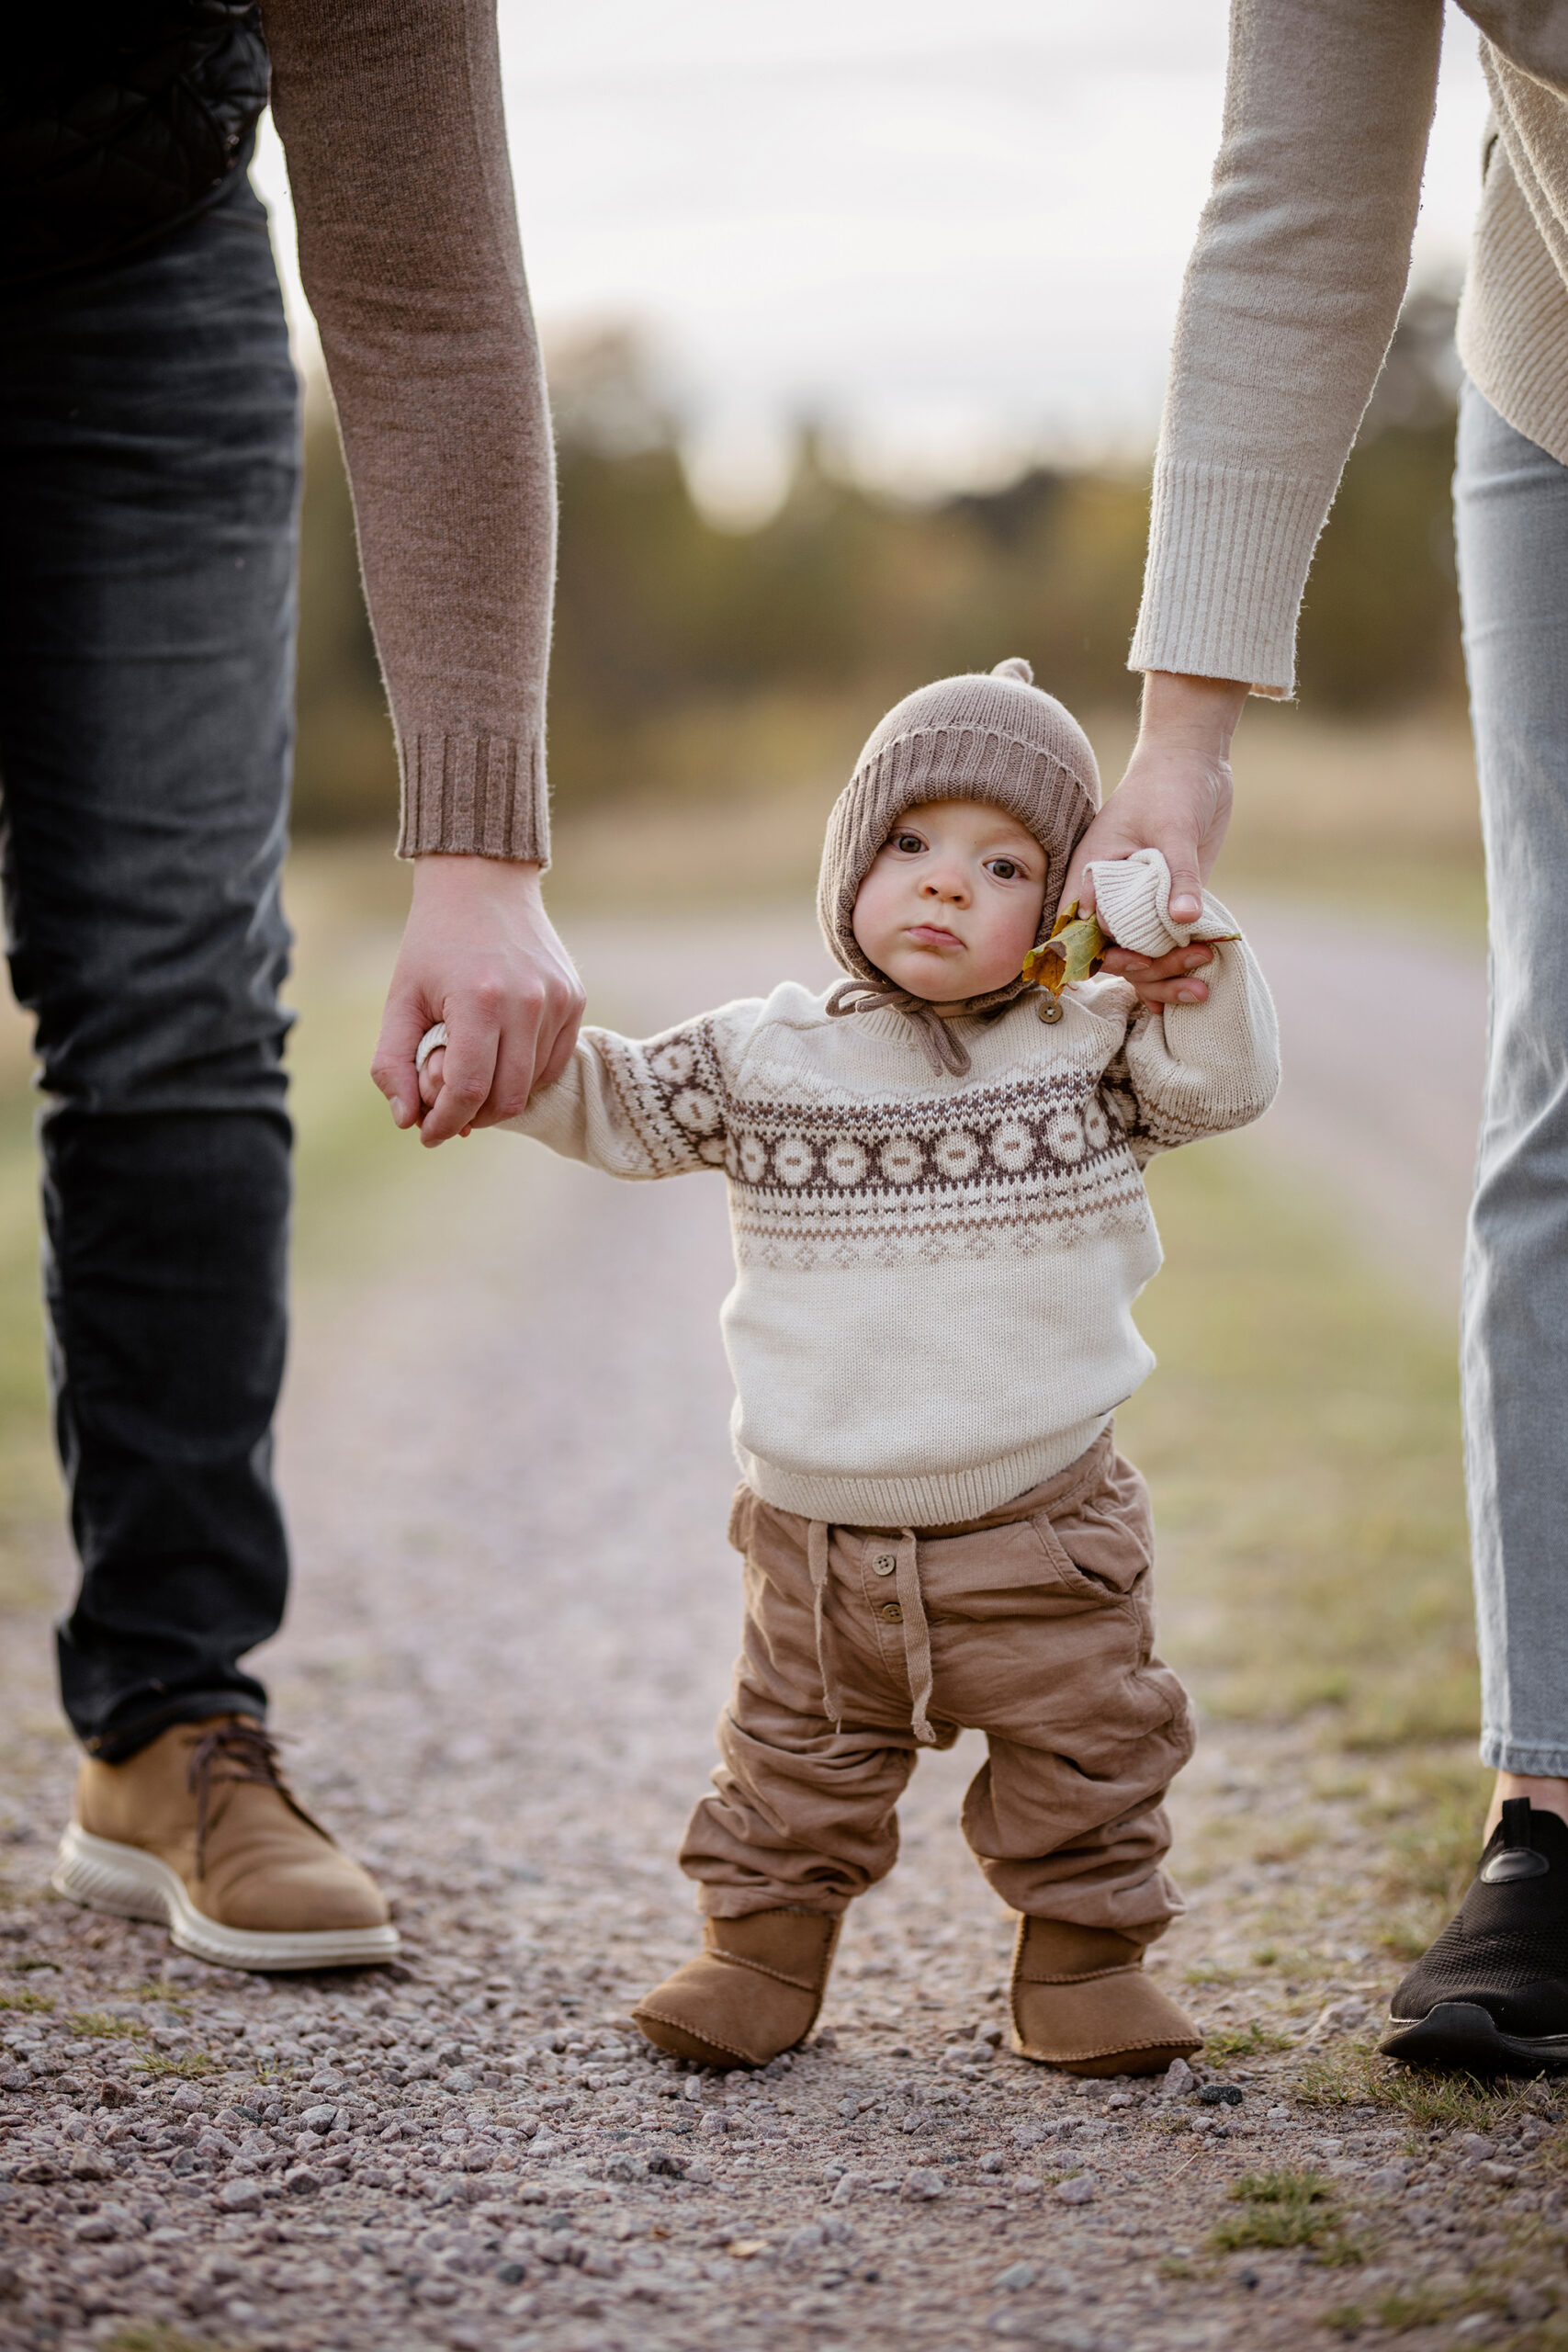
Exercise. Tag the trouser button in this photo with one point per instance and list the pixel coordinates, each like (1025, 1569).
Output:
(891, 1613)
(884, 1564)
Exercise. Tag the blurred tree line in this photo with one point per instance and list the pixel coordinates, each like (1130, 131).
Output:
(690, 657)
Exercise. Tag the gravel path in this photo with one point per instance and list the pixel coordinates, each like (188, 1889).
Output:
(507, 1461)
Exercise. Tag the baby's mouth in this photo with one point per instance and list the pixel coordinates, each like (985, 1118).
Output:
(929, 934)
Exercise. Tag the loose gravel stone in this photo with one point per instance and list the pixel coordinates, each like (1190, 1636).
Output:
(1529, 2305)
(919, 2185)
(109, 2222)
(1391, 2179)
(1017, 2275)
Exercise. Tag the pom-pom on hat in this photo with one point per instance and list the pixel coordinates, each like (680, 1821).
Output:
(992, 736)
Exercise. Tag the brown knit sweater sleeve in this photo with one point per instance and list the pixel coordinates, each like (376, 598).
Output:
(390, 114)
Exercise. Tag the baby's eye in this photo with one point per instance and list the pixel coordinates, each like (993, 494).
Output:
(1004, 869)
(910, 843)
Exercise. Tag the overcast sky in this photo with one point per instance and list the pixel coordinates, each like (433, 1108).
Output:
(955, 235)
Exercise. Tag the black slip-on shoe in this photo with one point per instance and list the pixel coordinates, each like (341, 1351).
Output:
(1491, 1996)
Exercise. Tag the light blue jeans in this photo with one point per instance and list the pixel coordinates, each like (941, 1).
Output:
(1511, 513)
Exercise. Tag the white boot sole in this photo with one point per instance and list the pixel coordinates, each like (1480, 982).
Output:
(104, 1876)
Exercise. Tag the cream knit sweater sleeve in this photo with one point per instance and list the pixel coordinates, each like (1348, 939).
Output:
(390, 114)
(646, 1107)
(1190, 1069)
(1290, 299)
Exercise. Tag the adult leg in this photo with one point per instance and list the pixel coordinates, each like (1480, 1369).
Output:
(1493, 1989)
(148, 498)
(148, 484)
(1512, 515)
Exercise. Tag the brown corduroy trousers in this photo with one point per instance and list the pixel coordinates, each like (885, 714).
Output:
(1033, 1624)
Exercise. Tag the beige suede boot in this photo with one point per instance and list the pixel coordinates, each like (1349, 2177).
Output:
(754, 1989)
(1081, 2001)
(200, 1830)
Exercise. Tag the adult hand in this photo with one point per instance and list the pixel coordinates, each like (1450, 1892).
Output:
(478, 952)
(1175, 798)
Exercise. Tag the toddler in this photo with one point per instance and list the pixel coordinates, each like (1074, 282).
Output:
(940, 1229)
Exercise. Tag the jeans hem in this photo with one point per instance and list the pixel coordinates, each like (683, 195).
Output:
(1511, 1755)
(120, 1746)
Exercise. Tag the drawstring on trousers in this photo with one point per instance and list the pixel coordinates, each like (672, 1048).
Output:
(917, 1634)
(917, 1629)
(817, 1541)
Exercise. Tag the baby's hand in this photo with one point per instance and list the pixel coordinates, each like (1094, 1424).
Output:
(429, 1076)
(430, 1063)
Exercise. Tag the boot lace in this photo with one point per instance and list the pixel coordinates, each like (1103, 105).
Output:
(234, 1751)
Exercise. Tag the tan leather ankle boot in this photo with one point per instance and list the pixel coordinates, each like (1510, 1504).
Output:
(200, 1831)
(754, 1989)
(1081, 2001)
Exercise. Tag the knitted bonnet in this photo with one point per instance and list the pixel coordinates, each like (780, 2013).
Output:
(997, 738)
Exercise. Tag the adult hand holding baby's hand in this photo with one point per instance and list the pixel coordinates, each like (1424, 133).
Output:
(479, 953)
(1163, 979)
(1175, 798)
(430, 1067)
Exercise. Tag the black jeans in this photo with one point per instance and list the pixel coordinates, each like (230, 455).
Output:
(149, 503)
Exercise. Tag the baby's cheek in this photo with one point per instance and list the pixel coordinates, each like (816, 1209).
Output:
(1023, 930)
(1000, 945)
(874, 922)
(865, 933)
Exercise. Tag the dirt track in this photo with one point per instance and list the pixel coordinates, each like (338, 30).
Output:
(508, 1474)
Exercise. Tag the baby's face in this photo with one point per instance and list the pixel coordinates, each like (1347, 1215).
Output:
(952, 905)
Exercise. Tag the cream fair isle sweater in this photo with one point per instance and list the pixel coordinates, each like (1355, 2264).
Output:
(934, 1275)
(1295, 286)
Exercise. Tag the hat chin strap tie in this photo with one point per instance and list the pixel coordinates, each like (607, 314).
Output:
(943, 1050)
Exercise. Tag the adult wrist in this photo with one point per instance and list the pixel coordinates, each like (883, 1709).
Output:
(463, 873)
(1190, 714)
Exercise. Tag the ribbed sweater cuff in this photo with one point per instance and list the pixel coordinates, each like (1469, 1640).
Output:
(1229, 552)
(474, 796)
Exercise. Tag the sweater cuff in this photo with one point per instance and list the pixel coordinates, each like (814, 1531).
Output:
(474, 796)
(1229, 552)
(1132, 898)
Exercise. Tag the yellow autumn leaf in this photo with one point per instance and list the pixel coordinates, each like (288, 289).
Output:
(1074, 951)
